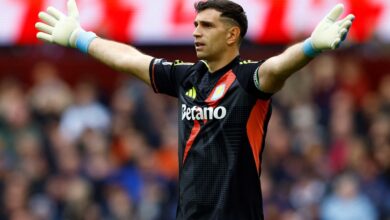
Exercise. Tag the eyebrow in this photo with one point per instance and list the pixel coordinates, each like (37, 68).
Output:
(204, 23)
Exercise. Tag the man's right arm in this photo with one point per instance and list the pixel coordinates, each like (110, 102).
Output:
(65, 30)
(121, 57)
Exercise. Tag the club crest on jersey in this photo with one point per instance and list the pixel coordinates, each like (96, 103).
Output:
(218, 92)
(191, 93)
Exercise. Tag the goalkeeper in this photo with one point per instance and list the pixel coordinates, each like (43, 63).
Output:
(224, 102)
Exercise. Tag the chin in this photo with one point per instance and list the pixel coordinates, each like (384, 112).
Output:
(201, 56)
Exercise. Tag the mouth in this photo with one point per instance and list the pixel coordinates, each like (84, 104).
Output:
(199, 45)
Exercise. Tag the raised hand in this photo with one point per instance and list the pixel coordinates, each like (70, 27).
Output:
(330, 32)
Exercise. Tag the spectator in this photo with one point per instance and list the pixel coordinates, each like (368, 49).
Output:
(85, 113)
(347, 202)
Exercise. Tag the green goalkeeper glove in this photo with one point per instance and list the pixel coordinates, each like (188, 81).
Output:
(62, 29)
(329, 33)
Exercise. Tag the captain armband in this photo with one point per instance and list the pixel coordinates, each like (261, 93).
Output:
(256, 78)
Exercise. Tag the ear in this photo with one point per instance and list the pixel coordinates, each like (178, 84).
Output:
(233, 35)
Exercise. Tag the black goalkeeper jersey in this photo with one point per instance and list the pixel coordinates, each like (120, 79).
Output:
(223, 120)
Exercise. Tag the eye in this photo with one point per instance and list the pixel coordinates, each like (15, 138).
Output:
(207, 25)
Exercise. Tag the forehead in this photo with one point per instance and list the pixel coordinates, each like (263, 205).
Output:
(209, 15)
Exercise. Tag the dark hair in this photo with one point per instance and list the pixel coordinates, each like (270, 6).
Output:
(228, 9)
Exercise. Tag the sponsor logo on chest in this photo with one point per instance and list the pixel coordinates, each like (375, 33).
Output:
(202, 113)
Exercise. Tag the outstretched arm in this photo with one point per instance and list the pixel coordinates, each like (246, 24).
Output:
(65, 30)
(328, 35)
(121, 57)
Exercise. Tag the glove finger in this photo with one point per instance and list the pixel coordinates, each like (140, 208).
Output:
(350, 17)
(45, 37)
(72, 9)
(336, 43)
(346, 22)
(55, 13)
(346, 25)
(335, 13)
(48, 19)
(343, 31)
(343, 34)
(44, 27)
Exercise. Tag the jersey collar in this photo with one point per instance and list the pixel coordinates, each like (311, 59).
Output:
(224, 69)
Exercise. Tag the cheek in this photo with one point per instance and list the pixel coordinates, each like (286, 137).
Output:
(216, 40)
(217, 44)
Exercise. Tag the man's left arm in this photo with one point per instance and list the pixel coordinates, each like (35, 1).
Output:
(328, 35)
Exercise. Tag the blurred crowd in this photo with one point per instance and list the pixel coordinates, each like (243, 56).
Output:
(70, 152)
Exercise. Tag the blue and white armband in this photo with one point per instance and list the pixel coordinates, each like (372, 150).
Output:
(84, 39)
(309, 50)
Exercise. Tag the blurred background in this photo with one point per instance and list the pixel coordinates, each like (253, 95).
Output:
(79, 141)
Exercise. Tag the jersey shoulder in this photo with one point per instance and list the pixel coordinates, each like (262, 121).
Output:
(248, 66)
(181, 63)
(246, 74)
(248, 62)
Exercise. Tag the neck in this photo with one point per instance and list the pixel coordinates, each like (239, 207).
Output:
(219, 63)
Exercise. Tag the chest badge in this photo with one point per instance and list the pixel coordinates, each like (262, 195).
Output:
(218, 92)
(191, 93)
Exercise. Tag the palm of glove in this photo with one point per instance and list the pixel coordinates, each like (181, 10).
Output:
(329, 33)
(59, 28)
(62, 33)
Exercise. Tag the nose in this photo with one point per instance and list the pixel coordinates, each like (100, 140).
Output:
(196, 32)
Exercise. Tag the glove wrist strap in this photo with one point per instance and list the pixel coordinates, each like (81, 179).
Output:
(84, 39)
(309, 50)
